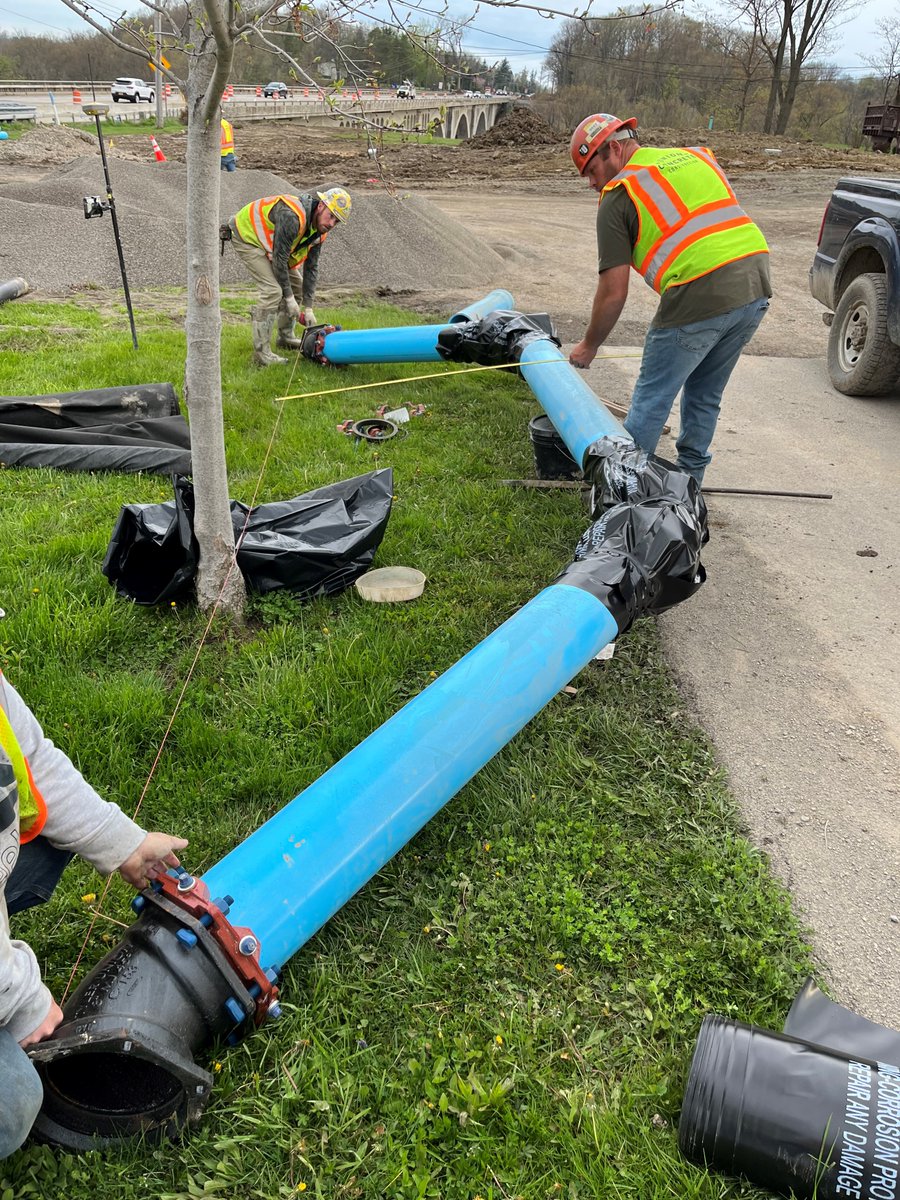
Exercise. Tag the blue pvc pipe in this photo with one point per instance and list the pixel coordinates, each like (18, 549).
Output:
(493, 301)
(306, 862)
(578, 415)
(404, 343)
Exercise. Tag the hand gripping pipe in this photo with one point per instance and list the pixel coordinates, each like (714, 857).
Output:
(193, 969)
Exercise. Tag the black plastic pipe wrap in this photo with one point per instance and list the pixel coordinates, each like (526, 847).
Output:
(792, 1116)
(816, 1018)
(136, 428)
(316, 544)
(642, 553)
(497, 338)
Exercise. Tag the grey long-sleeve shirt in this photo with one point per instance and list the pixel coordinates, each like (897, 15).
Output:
(78, 819)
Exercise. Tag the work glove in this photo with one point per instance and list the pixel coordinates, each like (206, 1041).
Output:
(309, 317)
(291, 307)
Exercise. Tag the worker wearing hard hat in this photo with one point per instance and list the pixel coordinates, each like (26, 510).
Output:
(671, 215)
(47, 813)
(276, 239)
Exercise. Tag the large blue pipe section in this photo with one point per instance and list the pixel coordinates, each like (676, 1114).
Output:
(577, 414)
(406, 343)
(307, 861)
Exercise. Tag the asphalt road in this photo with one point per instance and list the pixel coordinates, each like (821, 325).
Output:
(790, 655)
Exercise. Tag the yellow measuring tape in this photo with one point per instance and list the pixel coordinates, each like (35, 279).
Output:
(359, 387)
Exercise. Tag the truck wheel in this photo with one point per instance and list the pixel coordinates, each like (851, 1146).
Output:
(862, 359)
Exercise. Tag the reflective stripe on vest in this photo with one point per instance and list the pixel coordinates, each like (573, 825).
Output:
(254, 226)
(227, 137)
(32, 809)
(687, 231)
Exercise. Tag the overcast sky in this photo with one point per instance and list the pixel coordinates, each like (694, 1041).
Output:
(520, 36)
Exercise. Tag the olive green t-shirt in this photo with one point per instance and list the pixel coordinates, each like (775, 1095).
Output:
(731, 286)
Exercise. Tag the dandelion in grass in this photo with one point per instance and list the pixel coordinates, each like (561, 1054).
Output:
(89, 898)
(560, 966)
(217, 1067)
(499, 1039)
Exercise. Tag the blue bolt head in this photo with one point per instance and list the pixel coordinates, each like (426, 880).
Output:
(223, 904)
(248, 944)
(234, 1009)
(274, 1011)
(187, 937)
(139, 903)
(185, 882)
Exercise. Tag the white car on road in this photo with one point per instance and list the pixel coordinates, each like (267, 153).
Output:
(128, 88)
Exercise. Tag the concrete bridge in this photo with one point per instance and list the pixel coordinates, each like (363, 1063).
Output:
(436, 113)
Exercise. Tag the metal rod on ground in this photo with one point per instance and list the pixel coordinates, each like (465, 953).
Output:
(115, 223)
(550, 484)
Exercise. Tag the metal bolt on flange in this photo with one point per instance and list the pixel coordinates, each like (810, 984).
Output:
(248, 944)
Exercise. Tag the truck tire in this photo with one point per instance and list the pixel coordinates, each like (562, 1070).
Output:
(862, 359)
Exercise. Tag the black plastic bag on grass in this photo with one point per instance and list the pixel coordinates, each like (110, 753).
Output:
(313, 545)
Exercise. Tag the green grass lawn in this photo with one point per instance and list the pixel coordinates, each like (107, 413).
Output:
(508, 1009)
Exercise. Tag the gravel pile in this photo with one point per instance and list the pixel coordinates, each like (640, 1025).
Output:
(396, 243)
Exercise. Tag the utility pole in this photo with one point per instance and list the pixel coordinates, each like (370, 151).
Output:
(160, 81)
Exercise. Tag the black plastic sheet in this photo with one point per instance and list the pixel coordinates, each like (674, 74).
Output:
(500, 337)
(313, 545)
(814, 1017)
(137, 428)
(642, 554)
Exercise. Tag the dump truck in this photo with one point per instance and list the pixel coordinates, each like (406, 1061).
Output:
(882, 124)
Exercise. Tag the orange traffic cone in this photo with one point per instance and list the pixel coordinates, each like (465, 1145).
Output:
(259, 91)
(157, 153)
(76, 96)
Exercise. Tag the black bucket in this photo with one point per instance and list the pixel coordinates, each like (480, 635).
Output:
(552, 459)
(791, 1116)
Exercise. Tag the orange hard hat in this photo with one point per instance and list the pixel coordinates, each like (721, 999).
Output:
(592, 133)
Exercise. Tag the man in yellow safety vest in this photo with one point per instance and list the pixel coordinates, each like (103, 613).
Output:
(228, 161)
(672, 216)
(278, 239)
(48, 812)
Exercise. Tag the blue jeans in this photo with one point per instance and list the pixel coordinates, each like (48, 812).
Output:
(229, 163)
(22, 1095)
(699, 359)
(33, 879)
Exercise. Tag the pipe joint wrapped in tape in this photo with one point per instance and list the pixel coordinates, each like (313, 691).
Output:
(642, 554)
(500, 337)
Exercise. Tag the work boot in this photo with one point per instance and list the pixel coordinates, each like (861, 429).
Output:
(262, 322)
(285, 339)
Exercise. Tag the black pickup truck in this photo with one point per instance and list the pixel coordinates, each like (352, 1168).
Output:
(856, 275)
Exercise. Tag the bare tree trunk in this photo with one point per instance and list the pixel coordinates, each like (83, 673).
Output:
(777, 67)
(217, 579)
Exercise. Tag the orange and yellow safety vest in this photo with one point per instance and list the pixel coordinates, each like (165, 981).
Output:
(32, 809)
(254, 226)
(689, 220)
(227, 137)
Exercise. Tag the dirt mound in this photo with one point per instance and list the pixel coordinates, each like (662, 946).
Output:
(48, 144)
(520, 126)
(395, 242)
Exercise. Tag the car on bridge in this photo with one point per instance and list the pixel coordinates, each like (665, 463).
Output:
(406, 90)
(126, 87)
(276, 90)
